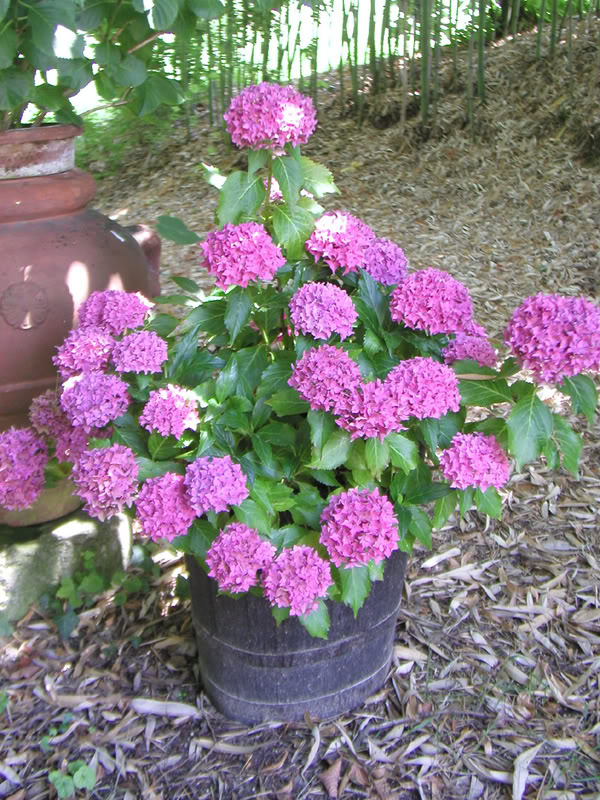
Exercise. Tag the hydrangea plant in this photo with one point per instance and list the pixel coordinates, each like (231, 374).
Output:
(314, 412)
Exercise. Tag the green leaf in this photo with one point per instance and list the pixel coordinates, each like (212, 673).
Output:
(44, 17)
(420, 526)
(372, 343)
(569, 443)
(279, 434)
(465, 499)
(175, 230)
(85, 778)
(355, 586)
(252, 362)
(287, 536)
(240, 196)
(184, 283)
(440, 432)
(107, 54)
(292, 228)
(4, 6)
(256, 160)
(489, 502)
(209, 317)
(377, 455)
(161, 13)
(228, 379)
(288, 173)
(280, 614)
(322, 426)
(584, 397)
(163, 447)
(239, 306)
(131, 71)
(335, 451)
(484, 393)
(207, 9)
(15, 88)
(262, 448)
(529, 428)
(509, 368)
(156, 91)
(404, 453)
(6, 629)
(64, 784)
(372, 295)
(66, 623)
(317, 623)
(253, 515)
(8, 47)
(154, 469)
(199, 537)
(308, 507)
(444, 507)
(317, 178)
(286, 402)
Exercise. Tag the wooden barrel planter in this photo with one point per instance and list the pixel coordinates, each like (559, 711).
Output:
(253, 670)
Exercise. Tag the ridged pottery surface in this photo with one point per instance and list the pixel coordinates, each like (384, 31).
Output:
(54, 252)
(253, 670)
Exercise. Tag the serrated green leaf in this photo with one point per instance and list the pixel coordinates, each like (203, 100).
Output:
(288, 173)
(253, 515)
(404, 453)
(317, 623)
(280, 614)
(317, 178)
(420, 526)
(64, 784)
(161, 13)
(240, 195)
(155, 91)
(8, 46)
(355, 585)
(377, 455)
(584, 397)
(239, 306)
(286, 402)
(334, 452)
(207, 9)
(529, 428)
(292, 228)
(489, 502)
(484, 393)
(465, 499)
(444, 507)
(175, 230)
(569, 443)
(164, 447)
(154, 469)
(322, 426)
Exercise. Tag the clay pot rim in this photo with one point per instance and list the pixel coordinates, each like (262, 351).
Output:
(42, 133)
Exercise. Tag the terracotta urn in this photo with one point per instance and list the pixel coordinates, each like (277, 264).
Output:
(54, 252)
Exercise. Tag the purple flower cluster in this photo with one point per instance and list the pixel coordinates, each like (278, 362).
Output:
(47, 417)
(83, 350)
(320, 309)
(386, 262)
(163, 508)
(423, 388)
(236, 556)
(359, 526)
(107, 479)
(93, 399)
(373, 410)
(325, 377)
(432, 300)
(114, 311)
(214, 484)
(23, 456)
(239, 254)
(467, 346)
(474, 459)
(170, 411)
(555, 337)
(143, 351)
(296, 579)
(341, 240)
(269, 116)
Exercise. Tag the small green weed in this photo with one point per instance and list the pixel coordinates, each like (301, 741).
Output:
(79, 775)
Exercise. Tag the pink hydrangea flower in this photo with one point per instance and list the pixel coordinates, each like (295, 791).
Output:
(341, 240)
(424, 388)
(325, 377)
(474, 459)
(296, 579)
(239, 254)
(83, 350)
(47, 417)
(386, 262)
(93, 399)
(432, 300)
(555, 337)
(359, 526)
(23, 457)
(320, 309)
(466, 346)
(170, 411)
(275, 195)
(236, 556)
(373, 410)
(143, 351)
(114, 310)
(269, 116)
(107, 479)
(215, 484)
(163, 508)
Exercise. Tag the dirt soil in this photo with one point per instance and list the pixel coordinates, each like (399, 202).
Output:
(494, 690)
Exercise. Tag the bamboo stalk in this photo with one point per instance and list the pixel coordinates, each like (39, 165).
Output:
(425, 45)
(481, 51)
(538, 43)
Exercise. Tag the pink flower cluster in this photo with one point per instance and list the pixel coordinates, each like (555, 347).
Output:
(47, 417)
(23, 456)
(170, 411)
(359, 526)
(236, 556)
(163, 508)
(474, 459)
(143, 351)
(341, 240)
(386, 262)
(296, 579)
(107, 479)
(555, 337)
(114, 311)
(432, 300)
(373, 410)
(325, 377)
(466, 346)
(269, 116)
(214, 484)
(320, 309)
(93, 399)
(239, 254)
(83, 350)
(423, 388)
